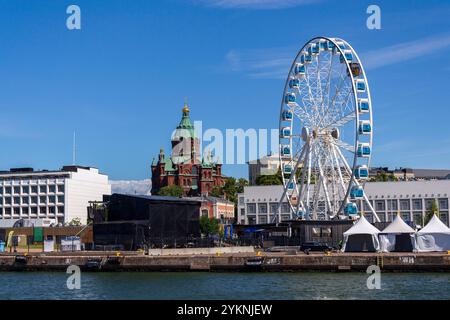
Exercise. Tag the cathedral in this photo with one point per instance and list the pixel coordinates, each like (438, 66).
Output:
(185, 166)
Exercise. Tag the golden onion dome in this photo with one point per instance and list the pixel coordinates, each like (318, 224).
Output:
(186, 108)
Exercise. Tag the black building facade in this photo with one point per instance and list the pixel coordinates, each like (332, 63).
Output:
(130, 222)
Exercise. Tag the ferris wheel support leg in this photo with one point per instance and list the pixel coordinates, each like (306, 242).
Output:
(301, 182)
(358, 184)
(291, 177)
(308, 183)
(325, 189)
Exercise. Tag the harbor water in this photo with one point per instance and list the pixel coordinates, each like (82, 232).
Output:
(211, 285)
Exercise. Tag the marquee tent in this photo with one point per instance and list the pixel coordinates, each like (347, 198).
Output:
(435, 236)
(397, 237)
(362, 236)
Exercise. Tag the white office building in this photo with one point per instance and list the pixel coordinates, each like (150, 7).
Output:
(413, 199)
(57, 196)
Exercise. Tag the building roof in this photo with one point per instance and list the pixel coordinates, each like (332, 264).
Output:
(399, 189)
(32, 172)
(185, 128)
(158, 198)
(431, 173)
(263, 193)
(213, 199)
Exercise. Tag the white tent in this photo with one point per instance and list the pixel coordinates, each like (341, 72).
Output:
(397, 236)
(435, 236)
(362, 236)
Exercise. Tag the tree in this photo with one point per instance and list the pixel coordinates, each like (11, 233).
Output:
(217, 192)
(208, 225)
(269, 179)
(383, 177)
(171, 191)
(75, 222)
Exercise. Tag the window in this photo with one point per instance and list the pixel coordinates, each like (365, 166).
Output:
(262, 219)
(417, 218)
(443, 204)
(25, 210)
(194, 170)
(25, 189)
(42, 210)
(61, 209)
(273, 207)
(33, 210)
(428, 203)
(262, 207)
(60, 199)
(392, 205)
(34, 189)
(444, 217)
(251, 208)
(194, 182)
(404, 205)
(61, 188)
(405, 216)
(43, 189)
(8, 211)
(315, 232)
(51, 210)
(43, 199)
(34, 199)
(16, 210)
(417, 204)
(7, 190)
(379, 206)
(51, 199)
(285, 217)
(285, 207)
(16, 190)
(52, 188)
(16, 200)
(8, 200)
(25, 200)
(241, 200)
(1, 190)
(252, 220)
(326, 232)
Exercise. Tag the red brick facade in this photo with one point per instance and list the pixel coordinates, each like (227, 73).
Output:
(184, 167)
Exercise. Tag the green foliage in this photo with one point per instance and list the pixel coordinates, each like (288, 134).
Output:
(171, 191)
(383, 177)
(269, 179)
(209, 226)
(75, 222)
(432, 211)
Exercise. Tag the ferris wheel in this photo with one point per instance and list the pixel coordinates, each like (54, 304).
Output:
(326, 132)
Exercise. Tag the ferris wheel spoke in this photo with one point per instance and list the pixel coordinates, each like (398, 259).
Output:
(338, 168)
(344, 145)
(324, 185)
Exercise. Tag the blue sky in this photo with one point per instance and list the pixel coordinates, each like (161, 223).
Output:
(120, 82)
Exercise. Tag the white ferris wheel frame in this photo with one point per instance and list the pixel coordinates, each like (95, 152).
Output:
(336, 155)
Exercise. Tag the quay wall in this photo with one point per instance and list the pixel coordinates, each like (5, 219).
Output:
(338, 262)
